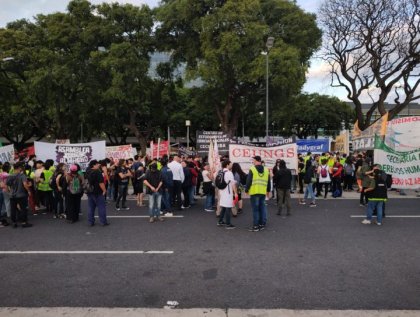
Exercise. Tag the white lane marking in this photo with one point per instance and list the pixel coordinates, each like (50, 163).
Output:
(387, 216)
(141, 216)
(86, 252)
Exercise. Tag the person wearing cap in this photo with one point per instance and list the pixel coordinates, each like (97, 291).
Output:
(377, 194)
(258, 186)
(96, 197)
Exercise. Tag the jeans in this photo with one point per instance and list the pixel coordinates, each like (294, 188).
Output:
(191, 195)
(309, 191)
(21, 213)
(372, 205)
(96, 201)
(154, 204)
(225, 211)
(6, 203)
(110, 191)
(166, 199)
(209, 202)
(259, 210)
(122, 195)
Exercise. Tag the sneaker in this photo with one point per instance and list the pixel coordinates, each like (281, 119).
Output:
(169, 214)
(105, 224)
(302, 202)
(209, 210)
(15, 225)
(254, 229)
(221, 223)
(261, 227)
(312, 205)
(230, 226)
(91, 224)
(125, 208)
(160, 219)
(362, 205)
(366, 222)
(151, 220)
(239, 211)
(55, 216)
(117, 208)
(26, 225)
(379, 223)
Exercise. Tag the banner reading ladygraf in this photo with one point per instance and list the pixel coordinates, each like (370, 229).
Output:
(119, 152)
(80, 153)
(365, 140)
(243, 154)
(342, 143)
(203, 142)
(7, 153)
(403, 166)
(316, 146)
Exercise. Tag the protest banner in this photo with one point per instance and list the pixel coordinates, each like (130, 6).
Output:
(203, 142)
(403, 166)
(7, 154)
(79, 153)
(119, 152)
(159, 149)
(342, 143)
(403, 134)
(316, 146)
(243, 154)
(183, 151)
(365, 140)
(214, 157)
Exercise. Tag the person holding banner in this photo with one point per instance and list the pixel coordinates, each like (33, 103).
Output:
(258, 185)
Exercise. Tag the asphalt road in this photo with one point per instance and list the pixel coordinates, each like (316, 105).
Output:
(319, 258)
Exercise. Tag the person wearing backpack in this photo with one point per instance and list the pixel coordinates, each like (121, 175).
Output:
(258, 185)
(324, 176)
(377, 194)
(225, 182)
(240, 179)
(74, 185)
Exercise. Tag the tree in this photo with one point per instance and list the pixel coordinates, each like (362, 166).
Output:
(220, 41)
(306, 114)
(373, 44)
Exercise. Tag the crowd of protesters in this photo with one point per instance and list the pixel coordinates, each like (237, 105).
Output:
(173, 184)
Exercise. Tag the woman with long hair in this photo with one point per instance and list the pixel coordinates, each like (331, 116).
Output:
(240, 179)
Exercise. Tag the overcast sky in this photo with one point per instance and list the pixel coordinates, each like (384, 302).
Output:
(11, 10)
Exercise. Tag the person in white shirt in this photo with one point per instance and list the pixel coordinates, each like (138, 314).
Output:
(227, 195)
(324, 176)
(178, 178)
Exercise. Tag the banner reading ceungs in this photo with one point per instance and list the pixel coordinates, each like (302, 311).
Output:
(243, 154)
(79, 153)
(403, 166)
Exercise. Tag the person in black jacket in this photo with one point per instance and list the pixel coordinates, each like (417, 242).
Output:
(282, 180)
(308, 180)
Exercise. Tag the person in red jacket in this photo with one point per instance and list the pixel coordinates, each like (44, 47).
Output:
(337, 177)
(194, 177)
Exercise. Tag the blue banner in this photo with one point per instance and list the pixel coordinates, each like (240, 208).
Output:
(317, 146)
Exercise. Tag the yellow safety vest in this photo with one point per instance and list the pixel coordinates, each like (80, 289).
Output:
(259, 181)
(44, 186)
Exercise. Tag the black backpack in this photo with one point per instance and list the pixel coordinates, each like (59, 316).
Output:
(220, 180)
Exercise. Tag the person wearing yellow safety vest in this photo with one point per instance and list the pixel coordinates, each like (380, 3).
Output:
(44, 187)
(258, 186)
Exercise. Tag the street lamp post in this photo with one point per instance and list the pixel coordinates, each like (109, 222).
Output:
(269, 45)
(188, 124)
